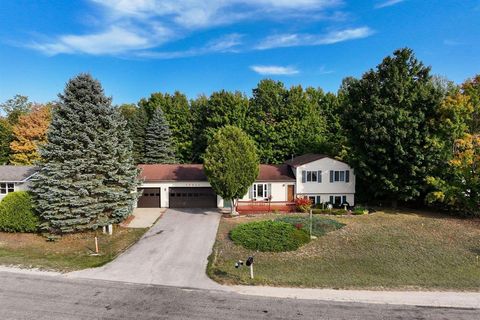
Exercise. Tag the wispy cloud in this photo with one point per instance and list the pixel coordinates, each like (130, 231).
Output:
(227, 43)
(274, 70)
(130, 27)
(387, 3)
(112, 41)
(141, 28)
(295, 39)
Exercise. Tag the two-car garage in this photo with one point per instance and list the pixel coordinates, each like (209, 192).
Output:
(178, 197)
(175, 186)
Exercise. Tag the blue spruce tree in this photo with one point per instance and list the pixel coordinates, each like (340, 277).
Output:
(158, 140)
(88, 177)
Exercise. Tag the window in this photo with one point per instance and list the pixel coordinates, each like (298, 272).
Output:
(340, 176)
(6, 188)
(260, 191)
(338, 200)
(312, 199)
(311, 176)
(318, 200)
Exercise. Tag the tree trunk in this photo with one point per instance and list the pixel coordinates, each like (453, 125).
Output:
(233, 212)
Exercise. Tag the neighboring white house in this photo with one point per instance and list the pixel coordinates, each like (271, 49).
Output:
(15, 178)
(318, 177)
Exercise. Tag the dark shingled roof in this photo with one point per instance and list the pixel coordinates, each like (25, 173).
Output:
(16, 173)
(275, 172)
(303, 159)
(194, 172)
(172, 172)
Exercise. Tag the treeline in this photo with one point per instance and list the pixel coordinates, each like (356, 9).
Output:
(410, 136)
(283, 122)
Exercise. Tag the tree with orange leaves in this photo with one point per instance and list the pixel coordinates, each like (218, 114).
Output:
(30, 133)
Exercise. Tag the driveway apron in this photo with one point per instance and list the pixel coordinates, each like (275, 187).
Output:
(173, 252)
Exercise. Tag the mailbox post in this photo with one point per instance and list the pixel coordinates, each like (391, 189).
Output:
(248, 263)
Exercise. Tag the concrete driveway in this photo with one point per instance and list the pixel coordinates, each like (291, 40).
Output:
(173, 252)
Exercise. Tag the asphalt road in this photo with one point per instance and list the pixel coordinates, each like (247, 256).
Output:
(43, 297)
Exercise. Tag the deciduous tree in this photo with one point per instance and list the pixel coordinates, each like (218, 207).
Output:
(30, 133)
(388, 117)
(231, 163)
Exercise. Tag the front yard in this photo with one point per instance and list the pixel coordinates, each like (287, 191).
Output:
(71, 252)
(391, 249)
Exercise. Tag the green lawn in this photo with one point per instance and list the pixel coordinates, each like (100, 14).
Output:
(71, 252)
(392, 249)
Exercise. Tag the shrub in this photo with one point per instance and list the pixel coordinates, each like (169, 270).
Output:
(303, 204)
(17, 214)
(335, 212)
(359, 211)
(275, 236)
(320, 225)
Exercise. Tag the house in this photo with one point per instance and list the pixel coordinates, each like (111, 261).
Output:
(15, 178)
(320, 178)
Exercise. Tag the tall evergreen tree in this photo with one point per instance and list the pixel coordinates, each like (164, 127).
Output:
(388, 117)
(158, 140)
(137, 125)
(87, 178)
(176, 110)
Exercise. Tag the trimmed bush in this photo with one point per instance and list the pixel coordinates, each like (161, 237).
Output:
(17, 214)
(336, 212)
(320, 225)
(274, 236)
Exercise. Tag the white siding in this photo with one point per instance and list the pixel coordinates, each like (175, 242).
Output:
(18, 186)
(278, 190)
(325, 189)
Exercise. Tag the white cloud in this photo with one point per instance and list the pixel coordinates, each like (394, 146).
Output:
(274, 70)
(139, 28)
(129, 27)
(387, 3)
(227, 43)
(292, 40)
(112, 41)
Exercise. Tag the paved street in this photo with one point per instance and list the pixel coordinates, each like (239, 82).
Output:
(44, 297)
(173, 252)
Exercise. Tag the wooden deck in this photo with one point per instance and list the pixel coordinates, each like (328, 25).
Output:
(251, 207)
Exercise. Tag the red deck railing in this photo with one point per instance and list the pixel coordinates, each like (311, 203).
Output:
(252, 206)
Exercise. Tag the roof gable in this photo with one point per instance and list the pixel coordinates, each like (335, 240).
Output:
(303, 159)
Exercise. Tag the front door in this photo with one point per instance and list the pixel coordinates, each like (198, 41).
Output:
(290, 192)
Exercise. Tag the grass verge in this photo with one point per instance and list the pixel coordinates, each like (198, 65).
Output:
(387, 250)
(71, 252)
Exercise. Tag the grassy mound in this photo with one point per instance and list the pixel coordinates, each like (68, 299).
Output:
(275, 236)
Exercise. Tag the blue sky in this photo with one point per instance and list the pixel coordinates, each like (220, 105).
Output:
(136, 47)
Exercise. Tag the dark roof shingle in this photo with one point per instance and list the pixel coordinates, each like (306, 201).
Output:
(303, 159)
(16, 173)
(194, 172)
